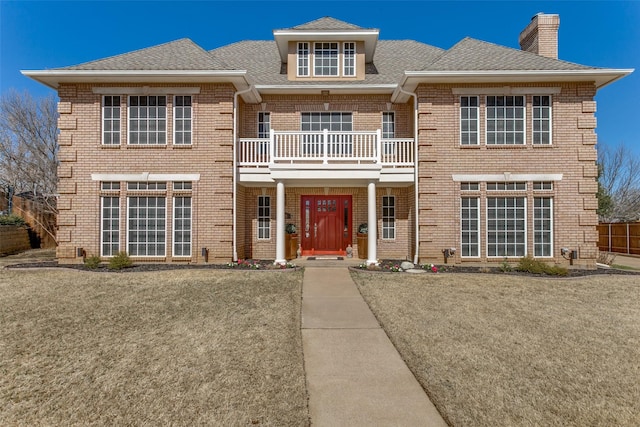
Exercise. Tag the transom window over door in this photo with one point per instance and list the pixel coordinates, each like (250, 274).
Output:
(325, 59)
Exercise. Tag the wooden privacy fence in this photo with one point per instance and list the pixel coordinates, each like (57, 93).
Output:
(620, 237)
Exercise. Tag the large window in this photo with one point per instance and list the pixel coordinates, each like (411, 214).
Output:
(182, 226)
(147, 226)
(147, 120)
(325, 59)
(469, 120)
(264, 217)
(182, 120)
(542, 120)
(543, 226)
(111, 120)
(110, 226)
(303, 59)
(333, 122)
(505, 120)
(388, 217)
(470, 216)
(506, 227)
(349, 53)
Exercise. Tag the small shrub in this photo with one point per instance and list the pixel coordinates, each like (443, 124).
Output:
(534, 266)
(119, 261)
(92, 262)
(12, 219)
(505, 267)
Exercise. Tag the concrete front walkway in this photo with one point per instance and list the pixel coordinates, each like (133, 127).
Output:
(355, 376)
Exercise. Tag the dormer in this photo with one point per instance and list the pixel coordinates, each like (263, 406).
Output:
(326, 50)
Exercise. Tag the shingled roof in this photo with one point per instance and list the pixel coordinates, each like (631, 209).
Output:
(181, 54)
(326, 23)
(476, 55)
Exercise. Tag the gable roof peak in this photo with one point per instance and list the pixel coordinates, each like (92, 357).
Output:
(327, 23)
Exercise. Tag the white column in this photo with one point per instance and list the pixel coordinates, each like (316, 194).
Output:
(372, 222)
(280, 255)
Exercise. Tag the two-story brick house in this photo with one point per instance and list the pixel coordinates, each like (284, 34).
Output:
(173, 152)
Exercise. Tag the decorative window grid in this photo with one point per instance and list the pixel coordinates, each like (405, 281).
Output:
(469, 120)
(182, 226)
(182, 120)
(111, 120)
(146, 224)
(470, 226)
(264, 217)
(264, 125)
(388, 217)
(349, 53)
(506, 186)
(506, 227)
(109, 186)
(325, 59)
(541, 119)
(543, 227)
(146, 186)
(505, 121)
(147, 120)
(303, 59)
(543, 186)
(109, 226)
(469, 186)
(182, 185)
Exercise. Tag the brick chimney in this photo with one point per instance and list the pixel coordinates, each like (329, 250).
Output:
(541, 35)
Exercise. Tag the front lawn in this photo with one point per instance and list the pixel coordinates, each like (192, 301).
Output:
(183, 347)
(518, 351)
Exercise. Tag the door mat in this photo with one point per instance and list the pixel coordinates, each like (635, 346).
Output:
(336, 258)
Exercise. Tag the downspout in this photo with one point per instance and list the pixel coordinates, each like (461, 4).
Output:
(415, 169)
(235, 169)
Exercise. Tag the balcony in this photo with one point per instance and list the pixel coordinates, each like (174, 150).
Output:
(324, 148)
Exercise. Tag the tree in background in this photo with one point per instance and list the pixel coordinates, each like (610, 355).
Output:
(29, 148)
(618, 184)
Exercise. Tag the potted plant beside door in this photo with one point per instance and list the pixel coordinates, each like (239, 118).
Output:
(291, 241)
(363, 240)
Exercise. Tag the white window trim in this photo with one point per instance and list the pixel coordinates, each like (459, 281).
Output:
(102, 107)
(165, 226)
(524, 121)
(552, 226)
(344, 59)
(478, 232)
(550, 144)
(526, 226)
(173, 228)
(309, 59)
(262, 239)
(477, 143)
(102, 220)
(392, 197)
(191, 121)
(258, 121)
(166, 131)
(313, 61)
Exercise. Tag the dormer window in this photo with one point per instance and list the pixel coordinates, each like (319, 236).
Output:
(303, 59)
(325, 59)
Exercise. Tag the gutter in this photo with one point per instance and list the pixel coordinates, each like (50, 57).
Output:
(235, 169)
(415, 169)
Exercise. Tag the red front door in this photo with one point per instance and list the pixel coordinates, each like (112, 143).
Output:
(326, 224)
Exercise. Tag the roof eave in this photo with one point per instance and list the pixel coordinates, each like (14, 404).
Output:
(53, 78)
(283, 37)
(600, 77)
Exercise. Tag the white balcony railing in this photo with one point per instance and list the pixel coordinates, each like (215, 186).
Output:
(326, 147)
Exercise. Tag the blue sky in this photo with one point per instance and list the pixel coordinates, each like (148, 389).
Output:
(36, 35)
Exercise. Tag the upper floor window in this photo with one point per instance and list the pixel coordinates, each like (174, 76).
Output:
(111, 120)
(182, 120)
(505, 120)
(325, 59)
(148, 120)
(469, 120)
(303, 59)
(541, 120)
(349, 53)
(264, 125)
(388, 125)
